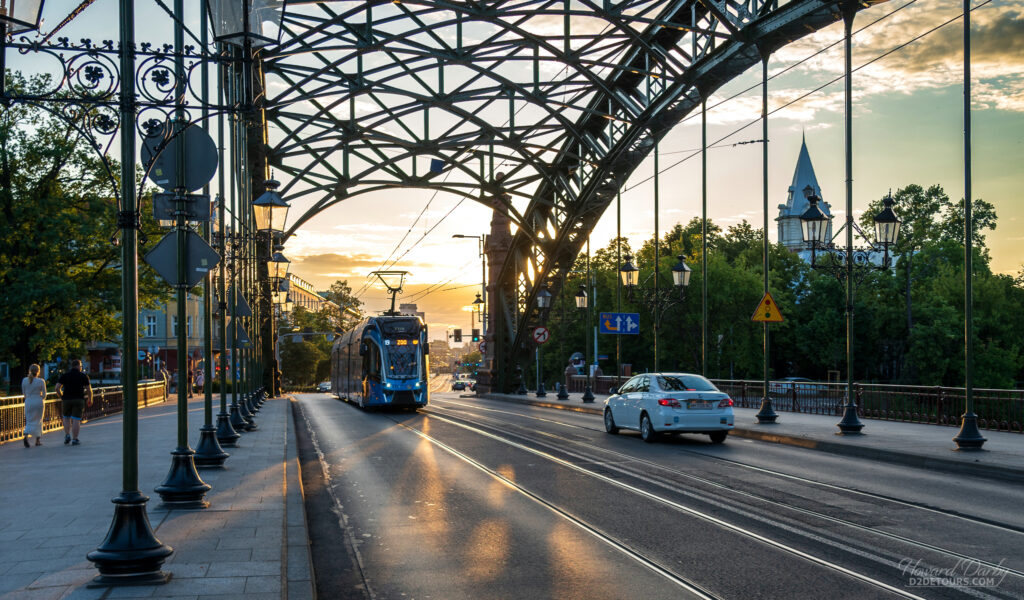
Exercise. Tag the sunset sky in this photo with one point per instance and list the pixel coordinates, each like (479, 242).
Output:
(908, 128)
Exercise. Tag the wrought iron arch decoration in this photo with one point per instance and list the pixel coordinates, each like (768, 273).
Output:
(564, 97)
(84, 94)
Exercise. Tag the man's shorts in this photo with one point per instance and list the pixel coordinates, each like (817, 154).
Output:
(72, 407)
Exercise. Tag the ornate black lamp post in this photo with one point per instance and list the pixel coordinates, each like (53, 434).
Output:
(656, 299)
(270, 212)
(543, 303)
(814, 225)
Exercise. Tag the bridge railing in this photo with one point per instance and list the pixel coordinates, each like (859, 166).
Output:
(107, 400)
(998, 410)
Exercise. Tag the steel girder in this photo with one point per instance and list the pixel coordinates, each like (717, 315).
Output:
(541, 109)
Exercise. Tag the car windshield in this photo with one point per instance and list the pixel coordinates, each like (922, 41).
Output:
(685, 383)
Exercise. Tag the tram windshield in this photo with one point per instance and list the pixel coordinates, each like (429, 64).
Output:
(402, 342)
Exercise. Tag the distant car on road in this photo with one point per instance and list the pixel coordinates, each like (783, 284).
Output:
(788, 384)
(458, 385)
(655, 403)
(323, 386)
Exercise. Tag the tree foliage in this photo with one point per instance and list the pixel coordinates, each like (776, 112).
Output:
(59, 271)
(908, 320)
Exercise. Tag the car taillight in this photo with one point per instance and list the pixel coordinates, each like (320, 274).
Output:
(725, 403)
(670, 402)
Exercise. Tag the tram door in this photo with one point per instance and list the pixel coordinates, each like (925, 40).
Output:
(371, 367)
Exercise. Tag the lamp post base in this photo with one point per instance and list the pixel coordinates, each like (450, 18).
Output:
(850, 424)
(541, 392)
(243, 409)
(766, 415)
(130, 554)
(563, 394)
(183, 488)
(588, 395)
(226, 434)
(237, 422)
(969, 437)
(209, 454)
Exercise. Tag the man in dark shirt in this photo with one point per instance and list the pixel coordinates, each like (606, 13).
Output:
(75, 391)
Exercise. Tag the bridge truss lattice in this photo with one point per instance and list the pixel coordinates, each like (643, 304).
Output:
(540, 109)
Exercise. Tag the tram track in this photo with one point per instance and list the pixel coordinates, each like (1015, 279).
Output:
(660, 499)
(675, 488)
(755, 468)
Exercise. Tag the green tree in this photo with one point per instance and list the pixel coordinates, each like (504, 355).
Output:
(300, 362)
(348, 310)
(60, 273)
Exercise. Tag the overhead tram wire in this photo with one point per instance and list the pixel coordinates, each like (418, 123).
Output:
(384, 264)
(428, 290)
(815, 90)
(716, 144)
(802, 61)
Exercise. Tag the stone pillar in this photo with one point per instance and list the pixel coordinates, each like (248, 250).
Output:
(497, 247)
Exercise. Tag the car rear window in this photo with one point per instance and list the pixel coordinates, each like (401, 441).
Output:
(685, 383)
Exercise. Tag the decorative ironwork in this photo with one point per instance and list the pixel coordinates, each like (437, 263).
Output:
(539, 110)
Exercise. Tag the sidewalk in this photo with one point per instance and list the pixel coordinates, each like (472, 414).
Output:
(251, 542)
(911, 444)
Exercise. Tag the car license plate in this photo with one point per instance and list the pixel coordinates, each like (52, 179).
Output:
(698, 405)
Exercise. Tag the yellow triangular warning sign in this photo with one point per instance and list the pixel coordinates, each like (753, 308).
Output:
(767, 311)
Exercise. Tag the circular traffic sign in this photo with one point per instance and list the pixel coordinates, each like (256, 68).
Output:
(483, 347)
(200, 156)
(541, 335)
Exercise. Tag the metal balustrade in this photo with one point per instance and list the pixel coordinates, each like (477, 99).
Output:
(106, 401)
(998, 410)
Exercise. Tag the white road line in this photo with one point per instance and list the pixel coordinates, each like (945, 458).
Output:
(685, 509)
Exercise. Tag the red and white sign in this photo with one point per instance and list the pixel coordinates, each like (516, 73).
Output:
(483, 347)
(541, 335)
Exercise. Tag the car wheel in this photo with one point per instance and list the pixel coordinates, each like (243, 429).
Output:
(647, 432)
(609, 422)
(717, 437)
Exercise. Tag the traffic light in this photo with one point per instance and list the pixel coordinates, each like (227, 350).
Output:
(457, 335)
(476, 335)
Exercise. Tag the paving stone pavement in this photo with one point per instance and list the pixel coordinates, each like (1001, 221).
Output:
(250, 543)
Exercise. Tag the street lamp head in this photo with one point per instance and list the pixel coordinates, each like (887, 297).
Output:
(238, 21)
(20, 15)
(814, 222)
(281, 295)
(581, 297)
(543, 297)
(278, 265)
(478, 300)
(681, 273)
(628, 272)
(887, 224)
(270, 210)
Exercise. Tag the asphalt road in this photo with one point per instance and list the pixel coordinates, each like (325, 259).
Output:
(483, 499)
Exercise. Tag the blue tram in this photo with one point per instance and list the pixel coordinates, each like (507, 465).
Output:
(383, 361)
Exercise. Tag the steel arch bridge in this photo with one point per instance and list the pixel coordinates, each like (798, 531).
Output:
(539, 109)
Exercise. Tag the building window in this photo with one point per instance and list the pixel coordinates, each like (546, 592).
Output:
(188, 323)
(150, 325)
(174, 326)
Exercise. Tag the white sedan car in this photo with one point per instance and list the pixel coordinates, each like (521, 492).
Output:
(655, 403)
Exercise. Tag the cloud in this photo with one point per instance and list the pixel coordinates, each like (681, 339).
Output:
(931, 62)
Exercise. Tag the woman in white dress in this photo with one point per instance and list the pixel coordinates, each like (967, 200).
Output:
(34, 389)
